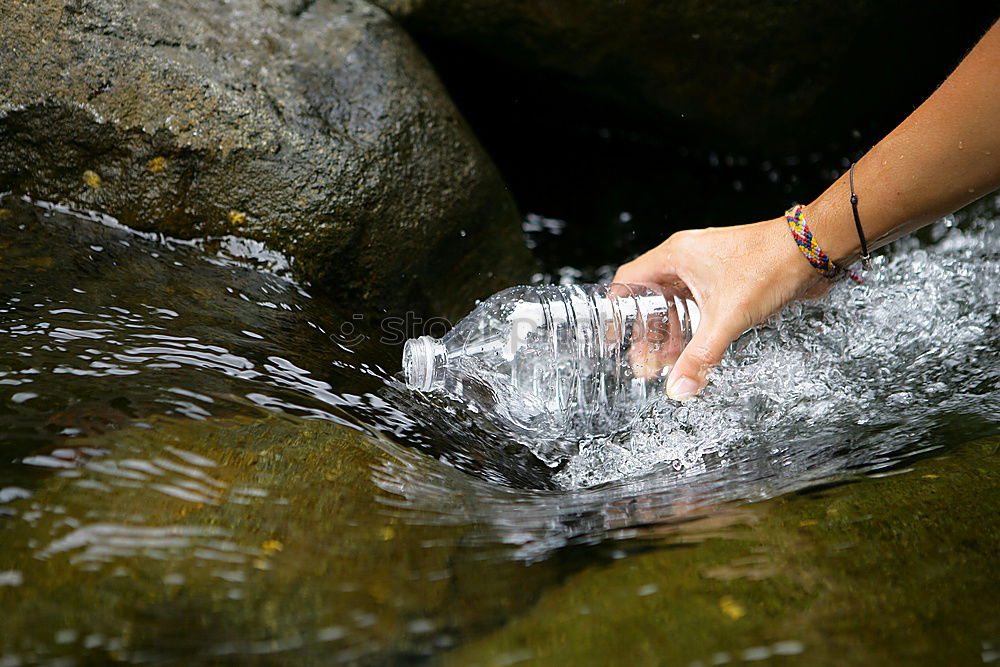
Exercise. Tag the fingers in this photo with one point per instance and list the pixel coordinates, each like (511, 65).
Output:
(656, 345)
(738, 276)
(650, 268)
(631, 272)
(705, 350)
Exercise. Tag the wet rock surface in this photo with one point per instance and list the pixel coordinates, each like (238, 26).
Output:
(237, 537)
(110, 319)
(883, 571)
(745, 75)
(317, 127)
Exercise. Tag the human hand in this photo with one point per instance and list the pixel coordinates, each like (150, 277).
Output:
(943, 156)
(739, 276)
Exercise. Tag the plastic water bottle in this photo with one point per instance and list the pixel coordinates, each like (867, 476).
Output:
(571, 360)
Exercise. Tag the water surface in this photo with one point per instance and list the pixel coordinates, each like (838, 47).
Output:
(202, 457)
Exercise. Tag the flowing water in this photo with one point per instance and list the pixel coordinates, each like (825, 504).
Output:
(202, 457)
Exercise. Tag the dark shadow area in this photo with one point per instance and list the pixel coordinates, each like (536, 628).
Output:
(622, 181)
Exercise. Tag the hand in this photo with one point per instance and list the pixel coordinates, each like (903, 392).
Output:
(739, 276)
(943, 156)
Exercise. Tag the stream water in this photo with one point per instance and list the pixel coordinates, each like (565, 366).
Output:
(200, 457)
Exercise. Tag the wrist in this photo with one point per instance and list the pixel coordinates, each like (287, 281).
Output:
(793, 269)
(831, 221)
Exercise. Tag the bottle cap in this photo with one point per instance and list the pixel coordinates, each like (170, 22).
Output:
(421, 356)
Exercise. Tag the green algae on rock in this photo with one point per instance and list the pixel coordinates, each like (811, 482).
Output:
(237, 536)
(899, 569)
(317, 127)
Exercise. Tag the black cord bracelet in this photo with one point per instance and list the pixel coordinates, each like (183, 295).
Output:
(865, 255)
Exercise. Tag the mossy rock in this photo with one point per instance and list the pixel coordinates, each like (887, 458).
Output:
(896, 570)
(257, 539)
(315, 126)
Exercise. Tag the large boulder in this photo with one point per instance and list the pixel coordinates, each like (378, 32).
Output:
(315, 126)
(743, 75)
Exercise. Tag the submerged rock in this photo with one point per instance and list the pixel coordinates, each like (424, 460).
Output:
(747, 74)
(240, 537)
(899, 569)
(315, 126)
(102, 327)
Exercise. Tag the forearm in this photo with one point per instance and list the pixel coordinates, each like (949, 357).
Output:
(946, 154)
(943, 156)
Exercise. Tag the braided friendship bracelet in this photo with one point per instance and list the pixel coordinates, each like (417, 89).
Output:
(807, 244)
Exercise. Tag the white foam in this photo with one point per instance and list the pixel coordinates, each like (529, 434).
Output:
(917, 341)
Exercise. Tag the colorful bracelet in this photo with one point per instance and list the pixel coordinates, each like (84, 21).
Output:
(807, 244)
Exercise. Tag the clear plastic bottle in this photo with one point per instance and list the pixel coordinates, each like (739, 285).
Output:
(575, 359)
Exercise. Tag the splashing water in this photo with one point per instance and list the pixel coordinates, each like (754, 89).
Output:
(858, 383)
(866, 372)
(855, 381)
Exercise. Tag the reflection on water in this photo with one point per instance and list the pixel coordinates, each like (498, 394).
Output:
(196, 462)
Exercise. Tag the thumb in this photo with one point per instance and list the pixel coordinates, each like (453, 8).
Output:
(690, 373)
